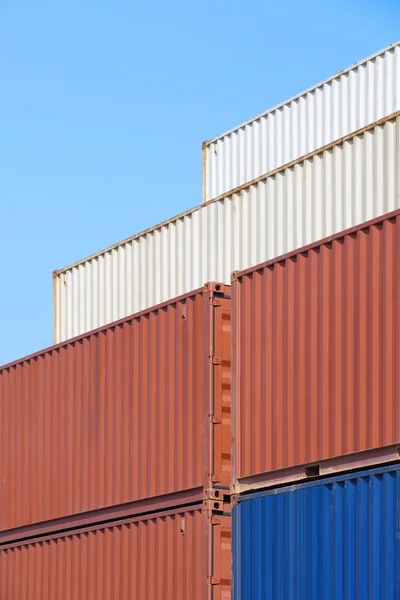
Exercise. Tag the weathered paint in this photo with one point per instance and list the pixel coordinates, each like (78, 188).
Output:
(322, 114)
(336, 539)
(316, 352)
(168, 555)
(335, 188)
(136, 410)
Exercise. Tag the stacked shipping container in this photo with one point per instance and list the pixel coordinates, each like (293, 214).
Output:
(350, 100)
(333, 189)
(158, 555)
(315, 391)
(121, 440)
(336, 539)
(118, 443)
(317, 348)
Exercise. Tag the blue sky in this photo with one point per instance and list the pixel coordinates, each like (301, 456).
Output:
(104, 106)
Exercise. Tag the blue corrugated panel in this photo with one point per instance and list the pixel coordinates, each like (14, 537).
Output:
(333, 539)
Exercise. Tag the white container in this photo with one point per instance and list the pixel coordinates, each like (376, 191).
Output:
(334, 189)
(348, 101)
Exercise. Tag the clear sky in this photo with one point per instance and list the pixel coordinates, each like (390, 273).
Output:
(104, 105)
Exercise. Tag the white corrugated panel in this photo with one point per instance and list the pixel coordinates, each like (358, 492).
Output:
(332, 190)
(350, 100)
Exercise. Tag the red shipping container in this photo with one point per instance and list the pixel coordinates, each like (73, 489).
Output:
(135, 410)
(179, 554)
(316, 337)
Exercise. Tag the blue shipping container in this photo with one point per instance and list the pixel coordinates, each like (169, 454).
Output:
(333, 539)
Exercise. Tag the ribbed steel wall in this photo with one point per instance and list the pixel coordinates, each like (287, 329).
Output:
(120, 415)
(317, 351)
(332, 109)
(331, 191)
(150, 558)
(333, 540)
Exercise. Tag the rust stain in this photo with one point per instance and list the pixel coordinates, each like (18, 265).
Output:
(118, 415)
(316, 338)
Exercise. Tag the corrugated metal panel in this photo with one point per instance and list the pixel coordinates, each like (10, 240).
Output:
(163, 556)
(327, 112)
(334, 539)
(316, 338)
(331, 191)
(120, 415)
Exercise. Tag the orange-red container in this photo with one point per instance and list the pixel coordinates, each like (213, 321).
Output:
(179, 554)
(135, 410)
(316, 355)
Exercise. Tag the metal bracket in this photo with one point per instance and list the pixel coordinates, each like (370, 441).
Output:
(214, 360)
(215, 420)
(234, 499)
(212, 494)
(213, 505)
(213, 580)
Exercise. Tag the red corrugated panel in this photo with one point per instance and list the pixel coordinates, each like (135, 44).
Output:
(316, 362)
(118, 415)
(166, 555)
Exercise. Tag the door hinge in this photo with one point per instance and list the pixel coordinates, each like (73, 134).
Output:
(215, 420)
(213, 580)
(217, 303)
(214, 360)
